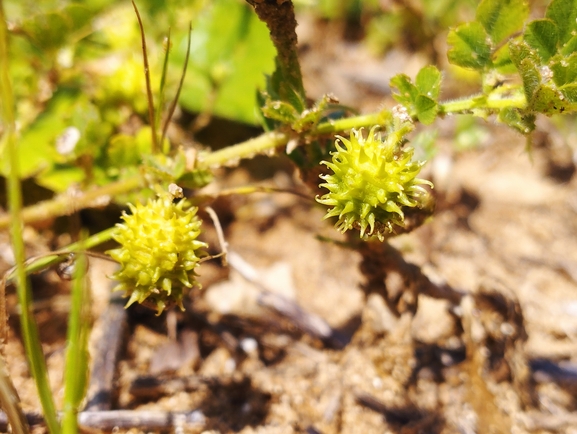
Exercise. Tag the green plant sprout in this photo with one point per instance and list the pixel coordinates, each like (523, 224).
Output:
(368, 178)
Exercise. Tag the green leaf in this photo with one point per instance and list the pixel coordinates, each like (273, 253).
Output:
(280, 111)
(570, 46)
(502, 61)
(427, 109)
(428, 82)
(542, 36)
(501, 18)
(524, 123)
(564, 69)
(564, 14)
(231, 53)
(570, 92)
(419, 99)
(37, 145)
(548, 101)
(469, 46)
(408, 92)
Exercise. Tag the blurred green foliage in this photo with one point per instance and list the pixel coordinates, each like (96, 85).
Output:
(79, 84)
(388, 23)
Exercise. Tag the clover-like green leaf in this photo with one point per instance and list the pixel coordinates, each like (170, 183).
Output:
(427, 109)
(564, 69)
(564, 14)
(408, 92)
(502, 61)
(420, 98)
(548, 101)
(569, 91)
(570, 46)
(513, 117)
(501, 18)
(542, 36)
(470, 47)
(428, 82)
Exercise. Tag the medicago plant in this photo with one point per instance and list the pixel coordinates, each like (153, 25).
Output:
(360, 167)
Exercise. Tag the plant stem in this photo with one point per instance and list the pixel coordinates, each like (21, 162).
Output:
(29, 329)
(274, 139)
(76, 368)
(344, 124)
(37, 264)
(232, 154)
(147, 79)
(490, 102)
(65, 204)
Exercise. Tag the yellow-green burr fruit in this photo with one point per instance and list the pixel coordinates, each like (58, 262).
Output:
(159, 252)
(372, 179)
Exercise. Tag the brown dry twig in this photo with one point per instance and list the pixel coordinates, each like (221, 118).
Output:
(106, 355)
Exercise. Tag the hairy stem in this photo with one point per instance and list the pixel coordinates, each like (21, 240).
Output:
(65, 203)
(489, 102)
(232, 154)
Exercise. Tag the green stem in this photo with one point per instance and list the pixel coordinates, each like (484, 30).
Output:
(29, 329)
(65, 204)
(274, 139)
(38, 264)
(76, 368)
(345, 124)
(490, 102)
(233, 154)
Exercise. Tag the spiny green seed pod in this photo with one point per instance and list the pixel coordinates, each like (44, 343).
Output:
(372, 180)
(159, 252)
